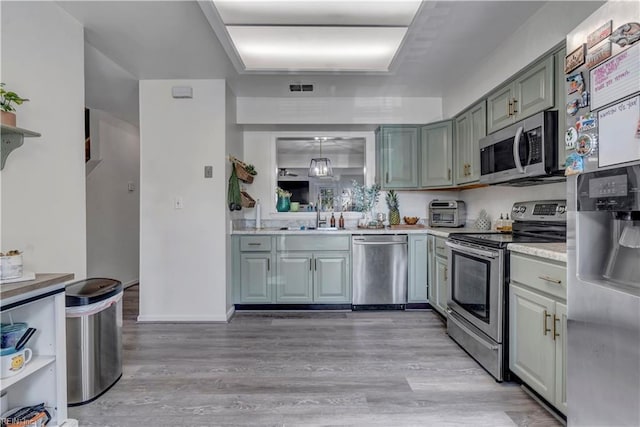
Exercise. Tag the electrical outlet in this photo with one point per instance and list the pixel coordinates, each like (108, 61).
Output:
(178, 203)
(208, 171)
(131, 186)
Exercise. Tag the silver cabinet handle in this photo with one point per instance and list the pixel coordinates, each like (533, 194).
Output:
(549, 279)
(268, 264)
(545, 329)
(254, 244)
(515, 102)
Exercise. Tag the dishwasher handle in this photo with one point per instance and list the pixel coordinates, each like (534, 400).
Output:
(378, 243)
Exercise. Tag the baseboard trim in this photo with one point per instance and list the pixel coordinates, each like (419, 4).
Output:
(231, 312)
(179, 318)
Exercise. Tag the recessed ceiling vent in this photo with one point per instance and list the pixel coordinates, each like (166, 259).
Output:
(301, 87)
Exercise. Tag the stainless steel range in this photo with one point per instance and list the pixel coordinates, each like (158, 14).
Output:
(479, 266)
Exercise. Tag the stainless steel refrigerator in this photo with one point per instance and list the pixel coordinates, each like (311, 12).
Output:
(603, 223)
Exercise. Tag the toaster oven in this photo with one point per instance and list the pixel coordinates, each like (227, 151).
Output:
(447, 213)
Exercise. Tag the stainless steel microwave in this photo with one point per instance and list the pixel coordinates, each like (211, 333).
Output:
(525, 152)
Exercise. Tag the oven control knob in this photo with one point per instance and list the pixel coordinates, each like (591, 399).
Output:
(561, 209)
(521, 209)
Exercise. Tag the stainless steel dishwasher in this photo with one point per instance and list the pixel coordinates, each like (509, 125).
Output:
(379, 271)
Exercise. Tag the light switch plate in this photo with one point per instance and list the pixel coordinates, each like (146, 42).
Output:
(208, 171)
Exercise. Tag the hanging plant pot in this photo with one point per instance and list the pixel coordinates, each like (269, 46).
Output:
(8, 118)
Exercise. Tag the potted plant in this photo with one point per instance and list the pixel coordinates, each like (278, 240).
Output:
(8, 101)
(284, 200)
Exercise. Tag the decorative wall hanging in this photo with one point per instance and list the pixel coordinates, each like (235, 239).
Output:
(626, 34)
(574, 59)
(599, 34)
(598, 55)
(576, 83)
(616, 78)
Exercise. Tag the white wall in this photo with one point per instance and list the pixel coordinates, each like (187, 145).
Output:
(43, 184)
(113, 212)
(182, 251)
(234, 147)
(109, 87)
(336, 110)
(540, 33)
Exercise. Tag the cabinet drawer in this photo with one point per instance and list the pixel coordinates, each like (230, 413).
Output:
(546, 276)
(255, 243)
(314, 242)
(441, 248)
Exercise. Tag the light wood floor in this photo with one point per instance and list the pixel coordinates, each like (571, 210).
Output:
(304, 368)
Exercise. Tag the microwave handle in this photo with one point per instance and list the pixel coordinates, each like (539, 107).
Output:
(516, 150)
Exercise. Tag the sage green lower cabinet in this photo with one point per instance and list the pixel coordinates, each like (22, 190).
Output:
(438, 274)
(294, 282)
(538, 326)
(418, 278)
(313, 269)
(331, 277)
(256, 278)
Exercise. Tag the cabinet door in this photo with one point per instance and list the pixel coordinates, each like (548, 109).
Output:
(498, 110)
(436, 154)
(417, 291)
(442, 291)
(462, 136)
(431, 276)
(399, 157)
(477, 131)
(294, 279)
(560, 320)
(331, 277)
(255, 278)
(534, 89)
(470, 127)
(531, 351)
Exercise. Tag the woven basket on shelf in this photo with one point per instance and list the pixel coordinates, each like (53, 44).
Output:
(247, 200)
(242, 173)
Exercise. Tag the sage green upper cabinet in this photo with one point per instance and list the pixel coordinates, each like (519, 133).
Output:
(470, 127)
(534, 89)
(436, 154)
(530, 92)
(417, 292)
(499, 108)
(398, 157)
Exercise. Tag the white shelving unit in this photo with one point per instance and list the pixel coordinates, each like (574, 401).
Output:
(44, 378)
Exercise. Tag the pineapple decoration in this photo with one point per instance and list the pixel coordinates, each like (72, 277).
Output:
(393, 204)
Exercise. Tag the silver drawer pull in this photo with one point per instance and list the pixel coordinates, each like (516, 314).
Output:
(255, 244)
(549, 279)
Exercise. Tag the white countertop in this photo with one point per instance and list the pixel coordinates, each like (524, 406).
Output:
(555, 251)
(436, 231)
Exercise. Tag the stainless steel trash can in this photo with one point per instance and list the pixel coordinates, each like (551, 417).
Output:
(94, 338)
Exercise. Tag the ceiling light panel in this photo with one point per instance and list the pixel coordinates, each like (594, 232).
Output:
(316, 12)
(316, 48)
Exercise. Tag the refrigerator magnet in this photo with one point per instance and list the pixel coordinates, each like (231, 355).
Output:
(570, 138)
(585, 123)
(576, 82)
(584, 145)
(574, 59)
(584, 99)
(573, 165)
(626, 34)
(572, 107)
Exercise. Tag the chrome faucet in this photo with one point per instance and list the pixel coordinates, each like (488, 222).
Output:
(318, 220)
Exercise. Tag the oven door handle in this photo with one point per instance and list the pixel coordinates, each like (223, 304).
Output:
(516, 149)
(472, 251)
(475, 336)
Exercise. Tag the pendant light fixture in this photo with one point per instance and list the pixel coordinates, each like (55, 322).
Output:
(320, 167)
